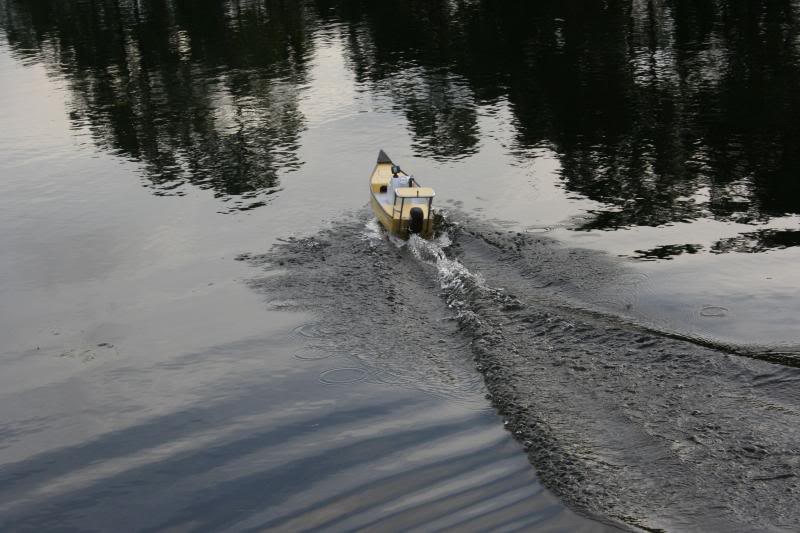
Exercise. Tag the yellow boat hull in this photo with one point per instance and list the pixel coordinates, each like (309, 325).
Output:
(393, 208)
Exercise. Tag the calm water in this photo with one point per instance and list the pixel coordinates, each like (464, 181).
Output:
(203, 329)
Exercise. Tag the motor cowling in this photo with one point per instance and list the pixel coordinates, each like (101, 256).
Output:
(416, 221)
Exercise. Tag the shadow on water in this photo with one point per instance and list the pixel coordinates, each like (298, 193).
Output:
(663, 111)
(31, 473)
(230, 465)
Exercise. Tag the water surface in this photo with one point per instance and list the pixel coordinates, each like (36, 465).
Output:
(616, 266)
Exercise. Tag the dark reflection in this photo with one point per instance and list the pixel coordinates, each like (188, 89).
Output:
(758, 241)
(750, 242)
(409, 50)
(663, 110)
(647, 103)
(667, 251)
(202, 92)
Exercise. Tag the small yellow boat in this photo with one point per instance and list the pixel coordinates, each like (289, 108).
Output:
(400, 204)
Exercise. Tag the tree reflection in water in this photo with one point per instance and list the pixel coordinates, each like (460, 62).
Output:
(200, 92)
(662, 110)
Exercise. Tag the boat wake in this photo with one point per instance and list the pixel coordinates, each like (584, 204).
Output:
(375, 308)
(623, 422)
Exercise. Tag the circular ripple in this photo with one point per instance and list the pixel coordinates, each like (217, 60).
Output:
(339, 376)
(389, 378)
(312, 356)
(312, 331)
(715, 311)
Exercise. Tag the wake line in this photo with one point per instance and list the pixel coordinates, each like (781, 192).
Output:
(458, 283)
(455, 280)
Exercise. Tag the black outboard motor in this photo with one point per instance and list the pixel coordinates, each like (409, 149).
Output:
(417, 220)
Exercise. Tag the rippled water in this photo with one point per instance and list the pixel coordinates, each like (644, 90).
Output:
(203, 328)
(621, 420)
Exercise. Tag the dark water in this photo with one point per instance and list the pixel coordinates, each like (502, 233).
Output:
(615, 272)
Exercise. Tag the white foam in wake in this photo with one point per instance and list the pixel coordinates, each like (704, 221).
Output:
(372, 231)
(455, 280)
